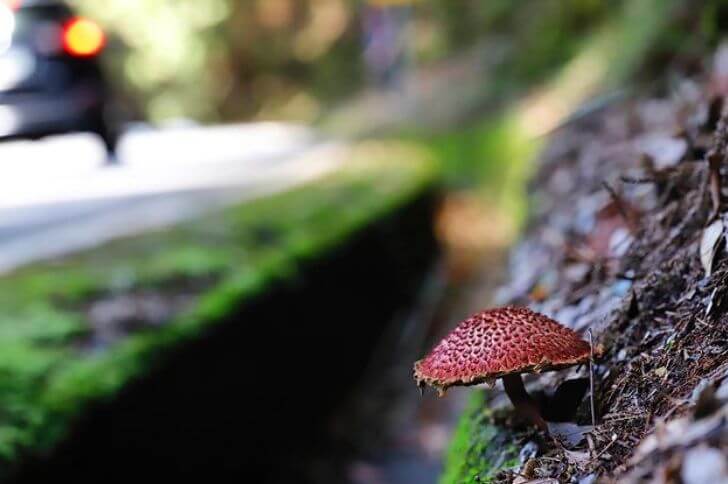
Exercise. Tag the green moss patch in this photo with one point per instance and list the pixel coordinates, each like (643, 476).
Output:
(477, 451)
(48, 371)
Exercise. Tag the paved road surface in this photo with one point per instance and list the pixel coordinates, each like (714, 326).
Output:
(57, 196)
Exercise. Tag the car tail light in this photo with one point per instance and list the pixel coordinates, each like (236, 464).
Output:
(83, 38)
(13, 4)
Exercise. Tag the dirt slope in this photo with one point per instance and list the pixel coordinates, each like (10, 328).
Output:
(627, 237)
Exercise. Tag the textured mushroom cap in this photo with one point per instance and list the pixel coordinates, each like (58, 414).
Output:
(499, 342)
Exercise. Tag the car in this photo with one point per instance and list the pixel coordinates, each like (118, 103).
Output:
(51, 80)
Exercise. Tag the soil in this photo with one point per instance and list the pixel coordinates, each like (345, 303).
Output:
(627, 238)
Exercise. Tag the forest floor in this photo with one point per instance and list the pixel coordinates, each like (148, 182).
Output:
(627, 237)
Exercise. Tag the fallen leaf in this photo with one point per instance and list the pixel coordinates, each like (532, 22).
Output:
(665, 151)
(529, 451)
(709, 245)
(704, 464)
(620, 241)
(681, 432)
(661, 372)
(523, 480)
(577, 457)
(613, 226)
(719, 75)
(569, 433)
(588, 479)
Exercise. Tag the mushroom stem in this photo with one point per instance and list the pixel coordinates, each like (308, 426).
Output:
(522, 401)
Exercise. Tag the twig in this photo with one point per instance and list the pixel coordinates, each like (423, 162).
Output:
(677, 231)
(631, 417)
(591, 378)
(637, 180)
(623, 207)
(714, 161)
(606, 447)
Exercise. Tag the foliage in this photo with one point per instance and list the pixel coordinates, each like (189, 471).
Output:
(292, 59)
(226, 59)
(233, 59)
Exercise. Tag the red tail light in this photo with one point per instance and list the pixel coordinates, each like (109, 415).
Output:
(83, 38)
(13, 4)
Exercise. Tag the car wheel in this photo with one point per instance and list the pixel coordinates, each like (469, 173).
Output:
(110, 137)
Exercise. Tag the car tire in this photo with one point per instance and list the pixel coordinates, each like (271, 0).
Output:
(110, 138)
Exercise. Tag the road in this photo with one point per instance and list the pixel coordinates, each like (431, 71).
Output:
(58, 195)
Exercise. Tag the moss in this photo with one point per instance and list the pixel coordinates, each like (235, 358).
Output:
(46, 380)
(476, 453)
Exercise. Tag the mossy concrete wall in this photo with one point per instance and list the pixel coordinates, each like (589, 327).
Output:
(286, 297)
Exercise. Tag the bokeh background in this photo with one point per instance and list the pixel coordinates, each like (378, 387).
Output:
(452, 66)
(340, 177)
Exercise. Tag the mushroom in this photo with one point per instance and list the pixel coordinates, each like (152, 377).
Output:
(502, 343)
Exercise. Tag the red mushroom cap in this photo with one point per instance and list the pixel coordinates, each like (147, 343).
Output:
(499, 342)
